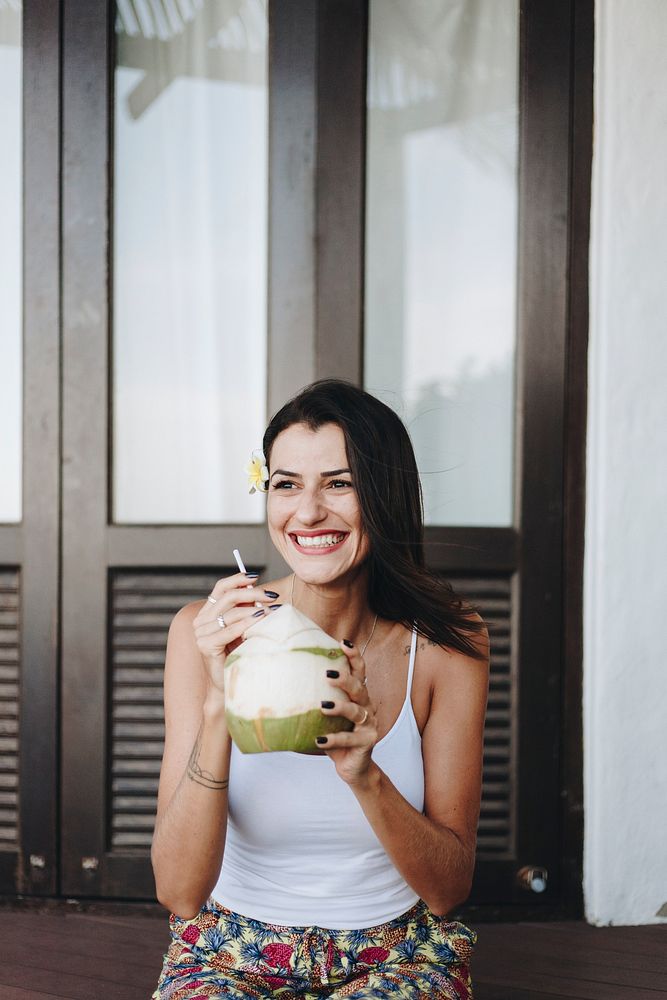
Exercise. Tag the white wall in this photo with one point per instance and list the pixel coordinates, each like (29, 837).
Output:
(625, 669)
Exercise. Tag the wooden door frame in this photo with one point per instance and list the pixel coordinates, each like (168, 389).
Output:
(33, 545)
(329, 196)
(574, 492)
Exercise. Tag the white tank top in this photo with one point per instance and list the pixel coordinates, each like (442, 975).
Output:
(299, 850)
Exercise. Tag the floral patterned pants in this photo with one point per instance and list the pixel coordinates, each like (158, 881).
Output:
(220, 953)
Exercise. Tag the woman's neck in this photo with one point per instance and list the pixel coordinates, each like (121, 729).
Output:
(340, 609)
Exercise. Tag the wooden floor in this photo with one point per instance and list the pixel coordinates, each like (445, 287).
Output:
(97, 957)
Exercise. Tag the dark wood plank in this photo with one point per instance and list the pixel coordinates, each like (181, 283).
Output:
(292, 196)
(70, 986)
(644, 940)
(544, 91)
(184, 545)
(341, 151)
(554, 964)
(574, 508)
(18, 993)
(487, 991)
(85, 931)
(85, 344)
(39, 723)
(292, 299)
(119, 958)
(574, 989)
(136, 960)
(647, 958)
(81, 955)
(569, 959)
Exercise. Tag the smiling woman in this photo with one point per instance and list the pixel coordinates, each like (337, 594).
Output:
(314, 515)
(335, 425)
(329, 870)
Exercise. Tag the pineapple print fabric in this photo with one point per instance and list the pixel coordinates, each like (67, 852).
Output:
(221, 954)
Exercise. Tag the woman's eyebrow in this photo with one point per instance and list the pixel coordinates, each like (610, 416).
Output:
(284, 472)
(296, 475)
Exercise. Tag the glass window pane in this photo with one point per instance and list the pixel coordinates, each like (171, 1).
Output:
(441, 243)
(11, 200)
(189, 260)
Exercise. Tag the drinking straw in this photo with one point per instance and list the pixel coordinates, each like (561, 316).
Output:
(242, 569)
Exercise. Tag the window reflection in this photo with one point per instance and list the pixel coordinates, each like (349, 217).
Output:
(441, 243)
(189, 263)
(10, 262)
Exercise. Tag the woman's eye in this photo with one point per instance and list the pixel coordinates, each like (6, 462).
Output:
(338, 483)
(283, 484)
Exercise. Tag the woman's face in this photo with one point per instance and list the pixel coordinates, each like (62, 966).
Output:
(312, 505)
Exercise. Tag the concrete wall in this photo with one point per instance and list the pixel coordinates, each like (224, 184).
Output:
(625, 668)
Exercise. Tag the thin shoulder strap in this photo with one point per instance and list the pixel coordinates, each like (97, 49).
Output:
(411, 664)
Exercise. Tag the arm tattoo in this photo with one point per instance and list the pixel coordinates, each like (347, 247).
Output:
(205, 778)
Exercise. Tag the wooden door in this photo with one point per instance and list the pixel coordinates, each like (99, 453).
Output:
(525, 578)
(100, 615)
(123, 582)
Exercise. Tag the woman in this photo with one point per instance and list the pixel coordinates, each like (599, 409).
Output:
(328, 875)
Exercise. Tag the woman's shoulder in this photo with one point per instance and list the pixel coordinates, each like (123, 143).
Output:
(441, 659)
(186, 615)
(402, 637)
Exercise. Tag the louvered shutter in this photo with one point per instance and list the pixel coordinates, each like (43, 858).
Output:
(9, 709)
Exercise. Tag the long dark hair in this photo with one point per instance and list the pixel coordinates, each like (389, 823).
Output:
(384, 473)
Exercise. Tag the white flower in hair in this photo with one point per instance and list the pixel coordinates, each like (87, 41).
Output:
(258, 473)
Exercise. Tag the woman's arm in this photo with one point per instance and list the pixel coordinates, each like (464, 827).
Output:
(191, 823)
(435, 852)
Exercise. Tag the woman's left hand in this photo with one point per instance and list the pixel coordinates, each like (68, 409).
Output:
(351, 751)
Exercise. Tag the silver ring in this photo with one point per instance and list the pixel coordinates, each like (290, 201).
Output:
(364, 681)
(221, 621)
(364, 718)
(213, 600)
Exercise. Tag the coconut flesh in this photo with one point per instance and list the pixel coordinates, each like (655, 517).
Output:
(275, 681)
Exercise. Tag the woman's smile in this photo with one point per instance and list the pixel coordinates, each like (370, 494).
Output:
(318, 543)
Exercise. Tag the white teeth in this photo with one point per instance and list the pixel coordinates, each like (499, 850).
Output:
(319, 541)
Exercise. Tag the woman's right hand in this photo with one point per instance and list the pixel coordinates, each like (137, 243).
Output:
(234, 598)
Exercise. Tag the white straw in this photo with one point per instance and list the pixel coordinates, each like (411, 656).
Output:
(242, 569)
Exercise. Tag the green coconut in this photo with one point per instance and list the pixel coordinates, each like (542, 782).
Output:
(275, 681)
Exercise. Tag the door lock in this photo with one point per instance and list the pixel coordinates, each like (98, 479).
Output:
(532, 877)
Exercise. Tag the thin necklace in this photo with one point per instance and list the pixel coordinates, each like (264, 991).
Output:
(363, 648)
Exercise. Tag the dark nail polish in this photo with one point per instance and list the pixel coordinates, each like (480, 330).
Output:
(272, 594)
(256, 614)
(321, 739)
(254, 575)
(332, 673)
(327, 704)
(274, 606)
(346, 642)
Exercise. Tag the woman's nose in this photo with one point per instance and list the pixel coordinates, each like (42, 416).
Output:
(311, 508)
